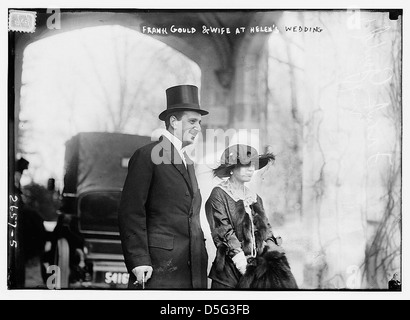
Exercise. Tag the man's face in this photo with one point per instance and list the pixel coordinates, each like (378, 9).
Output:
(188, 127)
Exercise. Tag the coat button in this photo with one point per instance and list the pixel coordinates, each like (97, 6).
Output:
(187, 193)
(189, 263)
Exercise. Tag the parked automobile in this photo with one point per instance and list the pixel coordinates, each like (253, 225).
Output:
(85, 242)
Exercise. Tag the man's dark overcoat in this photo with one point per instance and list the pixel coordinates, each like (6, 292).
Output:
(159, 219)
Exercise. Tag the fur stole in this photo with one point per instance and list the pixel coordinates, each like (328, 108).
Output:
(269, 270)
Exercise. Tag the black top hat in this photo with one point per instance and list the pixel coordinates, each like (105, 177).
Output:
(241, 154)
(182, 98)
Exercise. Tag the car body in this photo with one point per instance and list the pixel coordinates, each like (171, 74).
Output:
(85, 244)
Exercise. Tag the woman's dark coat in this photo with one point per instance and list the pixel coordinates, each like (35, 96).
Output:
(231, 232)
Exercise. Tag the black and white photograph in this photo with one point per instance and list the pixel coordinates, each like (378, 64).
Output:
(204, 150)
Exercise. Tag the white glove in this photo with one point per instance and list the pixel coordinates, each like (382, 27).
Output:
(142, 270)
(240, 262)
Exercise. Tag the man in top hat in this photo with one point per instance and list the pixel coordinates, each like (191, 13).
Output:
(162, 240)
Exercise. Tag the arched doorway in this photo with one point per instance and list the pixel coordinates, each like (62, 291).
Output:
(97, 79)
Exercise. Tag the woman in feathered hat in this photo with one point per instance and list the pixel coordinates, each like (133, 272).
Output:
(247, 253)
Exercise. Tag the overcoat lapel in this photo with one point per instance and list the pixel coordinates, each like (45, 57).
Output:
(172, 155)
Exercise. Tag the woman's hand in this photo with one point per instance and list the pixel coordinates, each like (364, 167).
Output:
(240, 262)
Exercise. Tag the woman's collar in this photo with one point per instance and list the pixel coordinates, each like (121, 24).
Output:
(250, 196)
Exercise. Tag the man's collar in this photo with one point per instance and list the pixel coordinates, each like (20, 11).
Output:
(174, 140)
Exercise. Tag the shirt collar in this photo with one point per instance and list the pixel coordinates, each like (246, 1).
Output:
(174, 140)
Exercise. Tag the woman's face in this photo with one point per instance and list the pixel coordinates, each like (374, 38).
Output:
(243, 173)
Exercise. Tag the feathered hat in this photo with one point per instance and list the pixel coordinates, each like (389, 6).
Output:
(241, 154)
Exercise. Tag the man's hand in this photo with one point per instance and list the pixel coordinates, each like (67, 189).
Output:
(142, 272)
